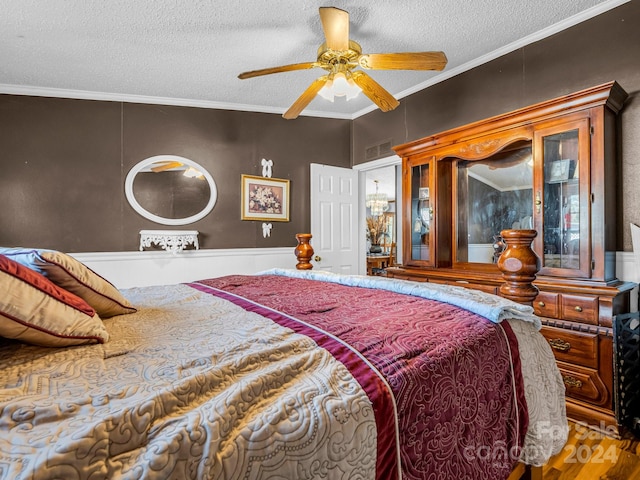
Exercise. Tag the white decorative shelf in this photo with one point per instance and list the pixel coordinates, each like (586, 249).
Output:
(173, 241)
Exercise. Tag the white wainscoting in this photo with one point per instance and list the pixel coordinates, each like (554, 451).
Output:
(628, 269)
(139, 269)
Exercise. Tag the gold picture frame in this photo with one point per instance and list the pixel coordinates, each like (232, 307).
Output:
(265, 199)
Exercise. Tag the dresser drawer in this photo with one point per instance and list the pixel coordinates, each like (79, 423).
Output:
(583, 384)
(546, 305)
(579, 308)
(573, 347)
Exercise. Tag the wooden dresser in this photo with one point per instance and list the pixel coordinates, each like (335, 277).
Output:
(551, 167)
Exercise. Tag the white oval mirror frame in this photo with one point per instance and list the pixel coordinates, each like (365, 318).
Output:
(147, 162)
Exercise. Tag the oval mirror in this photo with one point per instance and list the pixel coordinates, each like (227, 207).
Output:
(170, 190)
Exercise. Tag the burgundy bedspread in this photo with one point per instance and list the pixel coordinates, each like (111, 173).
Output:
(455, 376)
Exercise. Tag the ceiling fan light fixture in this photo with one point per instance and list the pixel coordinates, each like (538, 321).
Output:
(191, 172)
(326, 91)
(339, 56)
(339, 86)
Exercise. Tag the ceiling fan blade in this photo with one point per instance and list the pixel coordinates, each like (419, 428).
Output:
(372, 89)
(283, 68)
(166, 166)
(306, 97)
(335, 23)
(404, 61)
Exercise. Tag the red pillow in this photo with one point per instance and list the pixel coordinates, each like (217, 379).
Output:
(72, 275)
(35, 310)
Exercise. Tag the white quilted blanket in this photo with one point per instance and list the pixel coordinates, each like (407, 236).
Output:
(190, 387)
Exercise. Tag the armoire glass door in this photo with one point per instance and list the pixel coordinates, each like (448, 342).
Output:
(562, 200)
(421, 208)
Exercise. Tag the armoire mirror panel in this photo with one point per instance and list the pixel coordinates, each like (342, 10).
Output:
(492, 194)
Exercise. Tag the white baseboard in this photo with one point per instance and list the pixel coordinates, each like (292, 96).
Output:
(139, 269)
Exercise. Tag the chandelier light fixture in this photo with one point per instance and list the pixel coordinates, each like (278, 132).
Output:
(377, 202)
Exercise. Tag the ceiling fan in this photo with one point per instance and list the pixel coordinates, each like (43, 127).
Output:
(339, 56)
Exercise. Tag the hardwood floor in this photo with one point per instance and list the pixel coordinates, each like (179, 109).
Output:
(590, 455)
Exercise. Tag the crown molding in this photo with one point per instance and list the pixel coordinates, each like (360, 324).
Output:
(185, 102)
(529, 39)
(34, 91)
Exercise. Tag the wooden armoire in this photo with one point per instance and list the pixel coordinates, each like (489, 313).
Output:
(552, 167)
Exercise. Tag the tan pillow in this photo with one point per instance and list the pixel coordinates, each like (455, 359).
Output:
(70, 274)
(34, 310)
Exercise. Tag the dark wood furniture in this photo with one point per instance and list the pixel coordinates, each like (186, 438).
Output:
(377, 262)
(550, 167)
(303, 251)
(519, 265)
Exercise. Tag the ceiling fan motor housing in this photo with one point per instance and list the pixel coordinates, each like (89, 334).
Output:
(330, 58)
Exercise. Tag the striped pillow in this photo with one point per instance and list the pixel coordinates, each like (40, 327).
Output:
(35, 310)
(72, 275)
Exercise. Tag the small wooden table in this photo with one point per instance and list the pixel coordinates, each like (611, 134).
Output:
(377, 261)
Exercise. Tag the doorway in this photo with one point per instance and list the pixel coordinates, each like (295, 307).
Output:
(383, 178)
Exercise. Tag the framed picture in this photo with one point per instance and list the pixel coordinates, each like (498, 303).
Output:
(265, 199)
(559, 171)
(423, 193)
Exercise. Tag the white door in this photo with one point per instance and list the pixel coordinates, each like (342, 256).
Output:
(334, 218)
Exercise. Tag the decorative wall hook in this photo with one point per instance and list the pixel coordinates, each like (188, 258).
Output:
(266, 229)
(266, 167)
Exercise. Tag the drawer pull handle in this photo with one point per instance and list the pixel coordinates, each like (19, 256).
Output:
(559, 344)
(577, 308)
(541, 304)
(572, 382)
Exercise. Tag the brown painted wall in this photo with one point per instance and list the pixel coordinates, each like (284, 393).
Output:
(604, 48)
(64, 163)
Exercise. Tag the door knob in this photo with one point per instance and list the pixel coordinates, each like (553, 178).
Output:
(317, 258)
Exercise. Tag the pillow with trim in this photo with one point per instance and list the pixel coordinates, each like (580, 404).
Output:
(37, 311)
(75, 277)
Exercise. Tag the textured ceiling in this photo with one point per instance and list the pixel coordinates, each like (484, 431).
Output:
(189, 52)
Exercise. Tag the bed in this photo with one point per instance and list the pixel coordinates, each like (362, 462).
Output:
(285, 374)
